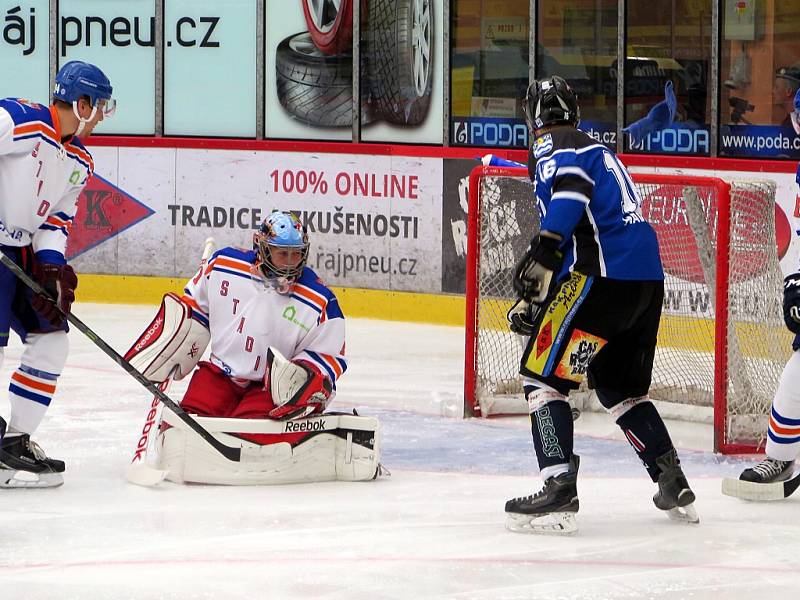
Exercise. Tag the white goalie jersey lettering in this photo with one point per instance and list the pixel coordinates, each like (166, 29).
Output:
(247, 317)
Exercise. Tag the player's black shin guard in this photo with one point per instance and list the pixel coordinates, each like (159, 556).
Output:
(644, 430)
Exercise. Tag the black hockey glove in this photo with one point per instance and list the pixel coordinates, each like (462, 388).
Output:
(536, 271)
(60, 282)
(791, 302)
(521, 317)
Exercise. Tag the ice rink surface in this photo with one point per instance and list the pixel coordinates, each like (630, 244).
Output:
(434, 529)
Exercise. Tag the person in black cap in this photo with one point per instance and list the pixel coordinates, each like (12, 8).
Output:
(787, 81)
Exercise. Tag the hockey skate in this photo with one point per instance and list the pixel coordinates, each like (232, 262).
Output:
(674, 495)
(771, 479)
(550, 510)
(24, 464)
(769, 470)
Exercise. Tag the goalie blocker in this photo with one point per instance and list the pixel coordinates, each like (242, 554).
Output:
(328, 447)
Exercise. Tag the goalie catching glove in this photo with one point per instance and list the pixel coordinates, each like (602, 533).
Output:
(535, 273)
(297, 388)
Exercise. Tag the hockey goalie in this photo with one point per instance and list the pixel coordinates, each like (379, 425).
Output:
(277, 339)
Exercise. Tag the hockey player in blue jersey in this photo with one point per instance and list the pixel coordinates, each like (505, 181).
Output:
(43, 168)
(591, 288)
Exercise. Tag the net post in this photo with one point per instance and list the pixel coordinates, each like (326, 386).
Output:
(471, 406)
(722, 289)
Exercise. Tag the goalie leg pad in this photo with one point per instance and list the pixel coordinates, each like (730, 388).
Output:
(172, 341)
(338, 447)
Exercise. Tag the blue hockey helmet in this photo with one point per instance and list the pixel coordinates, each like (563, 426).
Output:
(280, 230)
(77, 78)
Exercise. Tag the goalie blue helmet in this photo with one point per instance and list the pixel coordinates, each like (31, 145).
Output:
(77, 79)
(281, 246)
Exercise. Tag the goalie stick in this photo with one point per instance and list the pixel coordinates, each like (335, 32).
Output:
(229, 452)
(139, 472)
(748, 490)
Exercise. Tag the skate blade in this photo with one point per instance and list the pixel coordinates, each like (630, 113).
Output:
(144, 475)
(760, 492)
(10, 479)
(557, 523)
(684, 514)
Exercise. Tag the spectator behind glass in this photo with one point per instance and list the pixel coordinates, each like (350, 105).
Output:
(787, 82)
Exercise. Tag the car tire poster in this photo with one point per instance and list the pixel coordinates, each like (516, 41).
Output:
(309, 64)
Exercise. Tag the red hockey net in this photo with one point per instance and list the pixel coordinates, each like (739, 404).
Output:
(721, 345)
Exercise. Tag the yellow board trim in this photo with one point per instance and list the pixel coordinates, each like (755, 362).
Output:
(438, 309)
(695, 334)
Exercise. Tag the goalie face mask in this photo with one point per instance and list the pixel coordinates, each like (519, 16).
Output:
(281, 247)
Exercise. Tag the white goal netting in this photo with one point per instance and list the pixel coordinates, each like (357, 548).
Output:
(722, 343)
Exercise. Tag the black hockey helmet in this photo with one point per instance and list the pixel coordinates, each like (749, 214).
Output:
(551, 102)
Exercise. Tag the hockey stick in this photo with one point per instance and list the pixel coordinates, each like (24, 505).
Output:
(749, 490)
(139, 472)
(228, 452)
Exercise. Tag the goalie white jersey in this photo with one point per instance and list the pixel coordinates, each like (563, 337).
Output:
(246, 317)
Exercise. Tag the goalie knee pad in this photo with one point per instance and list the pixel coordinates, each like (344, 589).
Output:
(172, 341)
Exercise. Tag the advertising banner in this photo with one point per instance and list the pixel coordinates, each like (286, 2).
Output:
(372, 223)
(455, 204)
(680, 138)
(762, 141)
(24, 50)
(209, 68)
(506, 132)
(308, 90)
(402, 74)
(120, 38)
(309, 70)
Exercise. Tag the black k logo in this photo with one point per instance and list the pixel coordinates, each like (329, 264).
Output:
(95, 217)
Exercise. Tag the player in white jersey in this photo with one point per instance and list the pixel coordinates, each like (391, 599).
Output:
(783, 433)
(259, 299)
(277, 338)
(43, 168)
